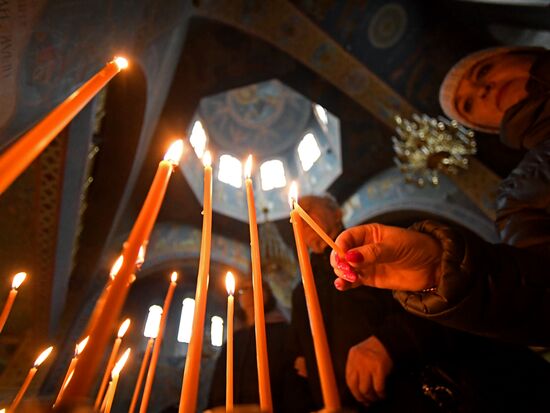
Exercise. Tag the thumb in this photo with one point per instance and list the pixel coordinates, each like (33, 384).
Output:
(374, 253)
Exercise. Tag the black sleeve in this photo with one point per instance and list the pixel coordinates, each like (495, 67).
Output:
(488, 289)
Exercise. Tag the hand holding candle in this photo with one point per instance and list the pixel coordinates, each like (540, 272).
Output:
(41, 358)
(230, 286)
(16, 283)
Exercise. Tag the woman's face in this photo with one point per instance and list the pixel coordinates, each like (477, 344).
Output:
(491, 87)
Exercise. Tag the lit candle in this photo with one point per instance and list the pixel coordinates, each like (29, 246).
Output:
(230, 286)
(43, 356)
(158, 342)
(15, 284)
(189, 388)
(20, 155)
(78, 350)
(111, 362)
(110, 395)
(320, 343)
(264, 386)
(89, 363)
(315, 227)
(144, 363)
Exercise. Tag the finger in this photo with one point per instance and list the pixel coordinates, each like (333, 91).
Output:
(379, 384)
(352, 380)
(366, 387)
(360, 235)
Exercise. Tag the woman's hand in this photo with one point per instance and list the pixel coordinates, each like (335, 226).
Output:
(386, 257)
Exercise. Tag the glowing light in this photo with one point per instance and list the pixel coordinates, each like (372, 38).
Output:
(174, 277)
(248, 167)
(141, 256)
(153, 321)
(198, 138)
(123, 328)
(81, 346)
(231, 171)
(216, 331)
(207, 159)
(292, 194)
(18, 279)
(121, 62)
(116, 266)
(120, 363)
(43, 356)
(186, 320)
(321, 115)
(230, 283)
(272, 174)
(174, 153)
(308, 151)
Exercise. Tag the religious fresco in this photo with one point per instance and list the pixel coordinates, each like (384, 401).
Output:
(388, 192)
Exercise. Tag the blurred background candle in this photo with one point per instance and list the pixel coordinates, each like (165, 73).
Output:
(158, 343)
(264, 385)
(111, 362)
(15, 284)
(329, 389)
(90, 362)
(19, 396)
(151, 331)
(20, 155)
(230, 286)
(115, 375)
(78, 350)
(189, 388)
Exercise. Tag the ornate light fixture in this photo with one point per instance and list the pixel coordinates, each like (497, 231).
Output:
(425, 146)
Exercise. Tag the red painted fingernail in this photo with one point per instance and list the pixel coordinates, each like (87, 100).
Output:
(354, 256)
(350, 276)
(339, 284)
(344, 266)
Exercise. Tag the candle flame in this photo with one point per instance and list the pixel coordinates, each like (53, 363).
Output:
(248, 167)
(230, 283)
(207, 159)
(120, 363)
(43, 356)
(116, 267)
(18, 279)
(141, 256)
(123, 328)
(3, 411)
(174, 277)
(174, 153)
(121, 62)
(80, 346)
(293, 194)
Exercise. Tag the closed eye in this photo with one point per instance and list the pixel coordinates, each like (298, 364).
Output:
(483, 70)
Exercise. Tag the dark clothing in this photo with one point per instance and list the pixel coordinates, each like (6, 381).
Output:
(427, 357)
(245, 379)
(523, 198)
(494, 290)
(503, 290)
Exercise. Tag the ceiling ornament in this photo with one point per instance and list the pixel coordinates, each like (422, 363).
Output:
(425, 146)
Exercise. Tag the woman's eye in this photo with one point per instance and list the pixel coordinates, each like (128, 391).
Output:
(482, 72)
(467, 105)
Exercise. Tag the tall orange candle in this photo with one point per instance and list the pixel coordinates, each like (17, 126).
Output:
(115, 375)
(158, 342)
(329, 389)
(19, 396)
(264, 386)
(141, 375)
(111, 362)
(88, 365)
(20, 155)
(230, 286)
(78, 350)
(318, 230)
(15, 284)
(189, 388)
